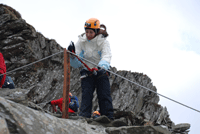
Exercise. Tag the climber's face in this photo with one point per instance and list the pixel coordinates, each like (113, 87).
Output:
(90, 34)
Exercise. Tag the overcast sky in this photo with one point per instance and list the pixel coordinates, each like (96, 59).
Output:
(159, 38)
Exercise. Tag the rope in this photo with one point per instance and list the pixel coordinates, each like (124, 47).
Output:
(138, 84)
(31, 63)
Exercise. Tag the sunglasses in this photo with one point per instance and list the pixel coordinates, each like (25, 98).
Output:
(89, 25)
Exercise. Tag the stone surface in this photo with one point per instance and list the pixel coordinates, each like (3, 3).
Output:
(102, 119)
(23, 120)
(181, 127)
(3, 126)
(137, 130)
(17, 95)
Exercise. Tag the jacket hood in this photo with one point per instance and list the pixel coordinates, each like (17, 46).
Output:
(99, 39)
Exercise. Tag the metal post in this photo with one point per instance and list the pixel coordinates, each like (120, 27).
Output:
(66, 85)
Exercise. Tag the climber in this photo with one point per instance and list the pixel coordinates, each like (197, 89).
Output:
(93, 46)
(5, 81)
(73, 105)
(2, 70)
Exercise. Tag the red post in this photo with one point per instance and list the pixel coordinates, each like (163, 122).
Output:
(66, 85)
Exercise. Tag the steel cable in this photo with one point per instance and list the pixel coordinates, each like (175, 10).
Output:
(108, 71)
(138, 84)
(31, 63)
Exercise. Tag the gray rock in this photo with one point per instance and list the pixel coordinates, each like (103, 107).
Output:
(181, 127)
(3, 126)
(119, 123)
(162, 116)
(137, 130)
(17, 95)
(23, 120)
(102, 119)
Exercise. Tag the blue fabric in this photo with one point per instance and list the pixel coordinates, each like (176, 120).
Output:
(99, 52)
(74, 105)
(75, 62)
(88, 84)
(96, 116)
(8, 83)
(104, 64)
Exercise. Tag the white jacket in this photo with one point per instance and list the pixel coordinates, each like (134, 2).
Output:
(96, 50)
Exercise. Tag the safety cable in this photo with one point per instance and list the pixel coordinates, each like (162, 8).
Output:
(31, 63)
(106, 70)
(138, 84)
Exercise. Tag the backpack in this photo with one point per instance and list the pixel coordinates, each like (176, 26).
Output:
(74, 105)
(2, 70)
(8, 83)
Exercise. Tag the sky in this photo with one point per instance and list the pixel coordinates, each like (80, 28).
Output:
(159, 38)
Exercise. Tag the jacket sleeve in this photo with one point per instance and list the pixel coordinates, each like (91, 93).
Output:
(105, 56)
(74, 62)
(56, 102)
(2, 70)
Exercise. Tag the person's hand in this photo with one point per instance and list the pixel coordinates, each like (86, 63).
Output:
(54, 108)
(71, 47)
(49, 102)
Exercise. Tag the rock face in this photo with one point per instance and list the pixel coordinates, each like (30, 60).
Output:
(138, 130)
(23, 120)
(16, 118)
(41, 82)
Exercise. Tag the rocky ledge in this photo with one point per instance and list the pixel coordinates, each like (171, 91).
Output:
(24, 117)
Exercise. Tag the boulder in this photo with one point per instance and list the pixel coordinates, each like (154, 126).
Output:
(182, 127)
(17, 95)
(137, 130)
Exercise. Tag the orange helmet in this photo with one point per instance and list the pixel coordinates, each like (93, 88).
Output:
(92, 23)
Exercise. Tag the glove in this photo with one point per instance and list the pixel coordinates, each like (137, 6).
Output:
(71, 47)
(49, 102)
